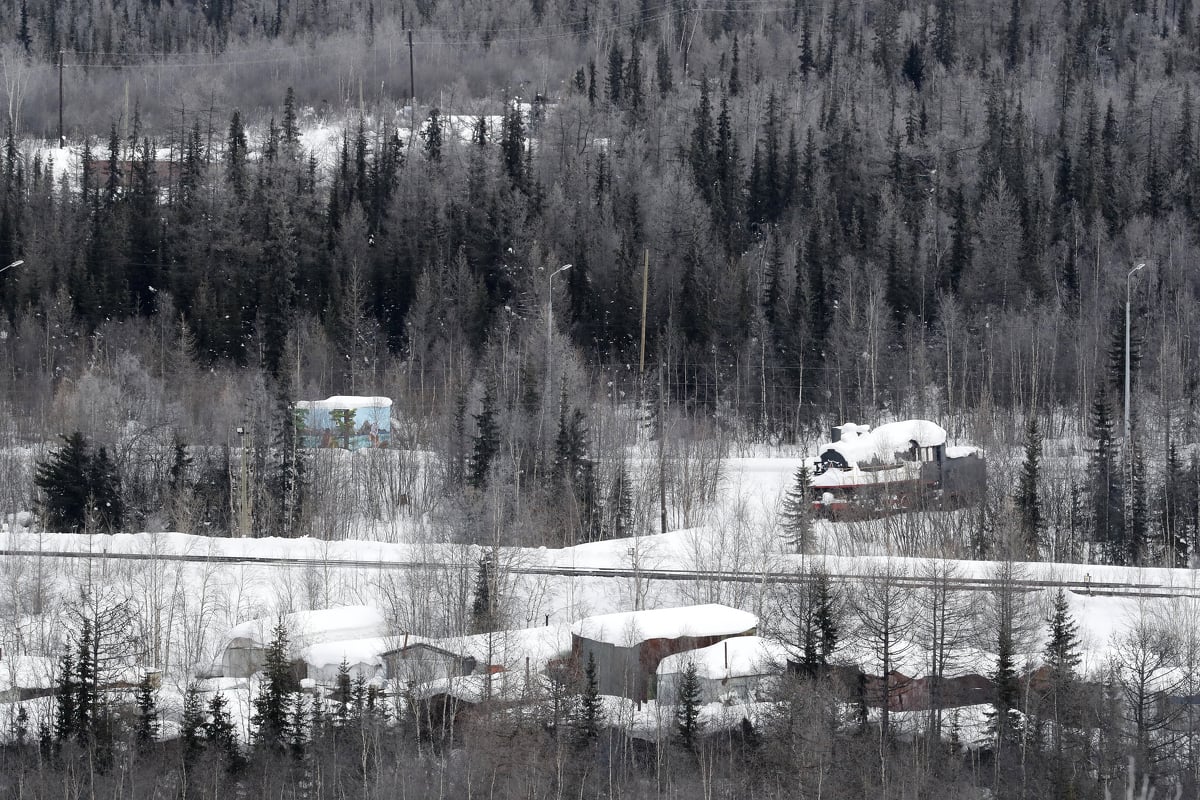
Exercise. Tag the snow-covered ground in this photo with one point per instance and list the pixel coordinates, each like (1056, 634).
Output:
(191, 592)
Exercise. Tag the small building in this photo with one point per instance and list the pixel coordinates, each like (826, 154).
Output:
(734, 667)
(628, 647)
(520, 650)
(897, 466)
(345, 422)
(246, 644)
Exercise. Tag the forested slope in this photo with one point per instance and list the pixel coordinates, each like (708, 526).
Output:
(842, 212)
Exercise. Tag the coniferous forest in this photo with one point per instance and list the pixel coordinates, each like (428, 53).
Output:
(568, 229)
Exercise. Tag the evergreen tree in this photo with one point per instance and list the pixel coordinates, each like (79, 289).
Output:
(662, 70)
(66, 717)
(1004, 720)
(221, 734)
(616, 74)
(341, 697)
(432, 134)
(146, 726)
(271, 718)
(104, 486)
(483, 605)
(1027, 499)
(687, 708)
(486, 445)
(590, 715)
(796, 513)
(64, 481)
(190, 726)
(1105, 484)
(1060, 706)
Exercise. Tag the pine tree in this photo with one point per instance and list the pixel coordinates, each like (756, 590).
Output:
(1105, 484)
(146, 726)
(433, 136)
(1029, 509)
(66, 717)
(1059, 701)
(687, 708)
(104, 484)
(271, 719)
(190, 727)
(1004, 721)
(483, 606)
(486, 444)
(662, 70)
(221, 734)
(796, 513)
(64, 482)
(341, 696)
(590, 716)
(616, 74)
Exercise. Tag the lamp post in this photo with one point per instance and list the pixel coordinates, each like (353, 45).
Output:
(16, 263)
(1128, 283)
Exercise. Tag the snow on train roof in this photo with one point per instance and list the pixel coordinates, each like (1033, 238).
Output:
(346, 401)
(860, 444)
(631, 627)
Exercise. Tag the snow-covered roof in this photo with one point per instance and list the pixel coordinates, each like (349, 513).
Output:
(960, 451)
(306, 628)
(858, 443)
(346, 401)
(630, 627)
(736, 657)
(353, 651)
(510, 648)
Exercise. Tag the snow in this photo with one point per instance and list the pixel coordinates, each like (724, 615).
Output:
(27, 672)
(960, 451)
(738, 657)
(510, 649)
(346, 401)
(630, 627)
(306, 628)
(859, 444)
(354, 651)
(476, 688)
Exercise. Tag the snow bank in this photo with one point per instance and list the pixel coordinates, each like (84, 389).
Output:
(630, 627)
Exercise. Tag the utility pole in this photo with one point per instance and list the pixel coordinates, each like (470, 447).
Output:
(61, 141)
(244, 511)
(645, 288)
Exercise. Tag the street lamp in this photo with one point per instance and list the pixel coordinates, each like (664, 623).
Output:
(1128, 282)
(16, 263)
